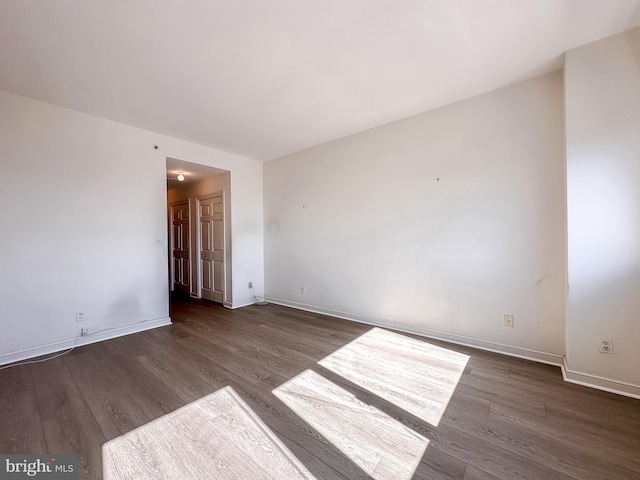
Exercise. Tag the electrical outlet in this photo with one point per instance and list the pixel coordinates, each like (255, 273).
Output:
(79, 316)
(89, 330)
(606, 346)
(250, 284)
(302, 290)
(508, 320)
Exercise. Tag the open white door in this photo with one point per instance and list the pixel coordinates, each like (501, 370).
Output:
(211, 220)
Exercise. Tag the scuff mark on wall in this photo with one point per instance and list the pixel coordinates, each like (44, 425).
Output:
(541, 279)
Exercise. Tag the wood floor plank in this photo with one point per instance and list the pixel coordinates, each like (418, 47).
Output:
(266, 337)
(292, 429)
(500, 462)
(22, 430)
(473, 473)
(437, 465)
(182, 381)
(609, 425)
(507, 418)
(593, 451)
(146, 389)
(493, 393)
(519, 439)
(303, 340)
(113, 408)
(69, 424)
(622, 412)
(376, 442)
(214, 352)
(211, 444)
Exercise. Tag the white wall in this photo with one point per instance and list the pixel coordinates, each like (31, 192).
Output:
(438, 223)
(602, 82)
(82, 202)
(190, 192)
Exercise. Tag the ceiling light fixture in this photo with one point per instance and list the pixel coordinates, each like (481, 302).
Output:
(180, 176)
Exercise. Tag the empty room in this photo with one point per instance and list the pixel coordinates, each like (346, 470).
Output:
(320, 240)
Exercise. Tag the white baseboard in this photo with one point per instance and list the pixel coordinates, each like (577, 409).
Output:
(601, 383)
(76, 342)
(525, 353)
(240, 303)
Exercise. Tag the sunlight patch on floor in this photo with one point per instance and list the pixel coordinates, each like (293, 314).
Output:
(217, 436)
(380, 445)
(413, 375)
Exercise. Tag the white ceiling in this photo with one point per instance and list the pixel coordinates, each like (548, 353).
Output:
(263, 78)
(192, 172)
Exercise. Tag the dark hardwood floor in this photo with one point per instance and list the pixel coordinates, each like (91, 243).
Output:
(507, 419)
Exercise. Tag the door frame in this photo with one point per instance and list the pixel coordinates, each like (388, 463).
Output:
(172, 275)
(199, 199)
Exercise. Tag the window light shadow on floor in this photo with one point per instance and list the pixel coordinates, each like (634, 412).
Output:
(380, 445)
(217, 436)
(414, 375)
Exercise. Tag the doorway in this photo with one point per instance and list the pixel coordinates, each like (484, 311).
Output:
(198, 211)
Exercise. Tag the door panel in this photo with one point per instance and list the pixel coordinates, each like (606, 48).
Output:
(212, 248)
(181, 275)
(206, 277)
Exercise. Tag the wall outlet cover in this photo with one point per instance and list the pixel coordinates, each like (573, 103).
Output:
(89, 330)
(509, 320)
(606, 346)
